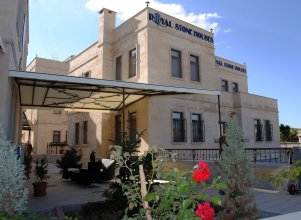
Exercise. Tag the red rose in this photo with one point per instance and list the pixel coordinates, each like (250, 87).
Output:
(205, 211)
(202, 164)
(202, 173)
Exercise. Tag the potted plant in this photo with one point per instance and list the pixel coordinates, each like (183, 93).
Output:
(27, 165)
(40, 172)
(70, 159)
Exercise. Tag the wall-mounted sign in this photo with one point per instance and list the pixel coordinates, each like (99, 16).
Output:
(163, 22)
(230, 66)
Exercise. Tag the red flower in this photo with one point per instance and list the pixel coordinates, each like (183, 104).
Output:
(202, 173)
(205, 211)
(202, 164)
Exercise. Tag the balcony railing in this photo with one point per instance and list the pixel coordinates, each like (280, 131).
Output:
(267, 155)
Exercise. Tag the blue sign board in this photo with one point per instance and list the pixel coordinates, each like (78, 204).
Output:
(230, 66)
(163, 22)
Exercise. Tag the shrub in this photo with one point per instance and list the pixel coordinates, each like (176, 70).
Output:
(235, 170)
(13, 194)
(69, 159)
(41, 170)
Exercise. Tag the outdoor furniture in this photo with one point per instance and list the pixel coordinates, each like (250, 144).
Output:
(90, 175)
(69, 171)
(108, 169)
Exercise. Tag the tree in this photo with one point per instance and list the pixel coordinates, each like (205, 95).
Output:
(288, 134)
(13, 194)
(235, 170)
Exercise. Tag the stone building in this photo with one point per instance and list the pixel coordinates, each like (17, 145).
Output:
(154, 48)
(13, 54)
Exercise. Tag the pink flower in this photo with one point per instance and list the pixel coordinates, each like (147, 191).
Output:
(202, 173)
(205, 211)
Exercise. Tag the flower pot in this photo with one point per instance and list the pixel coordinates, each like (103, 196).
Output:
(39, 189)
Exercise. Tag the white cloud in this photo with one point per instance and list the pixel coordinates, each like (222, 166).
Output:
(127, 8)
(228, 47)
(227, 30)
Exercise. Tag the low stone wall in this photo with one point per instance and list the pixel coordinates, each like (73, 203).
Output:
(51, 158)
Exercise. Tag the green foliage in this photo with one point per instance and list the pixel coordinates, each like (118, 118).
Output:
(104, 210)
(27, 161)
(284, 175)
(70, 158)
(41, 170)
(176, 199)
(13, 194)
(124, 153)
(288, 134)
(24, 216)
(179, 198)
(235, 170)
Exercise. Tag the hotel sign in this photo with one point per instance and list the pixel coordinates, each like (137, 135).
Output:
(163, 22)
(230, 66)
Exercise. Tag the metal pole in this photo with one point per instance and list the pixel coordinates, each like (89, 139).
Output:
(123, 115)
(220, 125)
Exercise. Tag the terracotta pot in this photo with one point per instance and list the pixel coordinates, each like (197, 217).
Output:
(39, 189)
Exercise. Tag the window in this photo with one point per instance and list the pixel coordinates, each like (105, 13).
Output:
(179, 127)
(118, 128)
(194, 68)
(224, 84)
(258, 130)
(86, 74)
(56, 136)
(234, 87)
(132, 62)
(76, 134)
(85, 132)
(176, 63)
(118, 68)
(197, 128)
(132, 126)
(268, 131)
(57, 112)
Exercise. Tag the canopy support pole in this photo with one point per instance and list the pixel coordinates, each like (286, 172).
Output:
(123, 115)
(220, 125)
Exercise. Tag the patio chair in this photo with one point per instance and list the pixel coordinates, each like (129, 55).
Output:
(90, 175)
(108, 169)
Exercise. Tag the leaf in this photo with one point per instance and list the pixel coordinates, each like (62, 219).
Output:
(216, 200)
(222, 185)
(186, 203)
(149, 197)
(158, 175)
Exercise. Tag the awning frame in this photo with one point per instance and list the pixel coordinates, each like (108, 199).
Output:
(125, 91)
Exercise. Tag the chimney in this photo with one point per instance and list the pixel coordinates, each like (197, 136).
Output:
(106, 25)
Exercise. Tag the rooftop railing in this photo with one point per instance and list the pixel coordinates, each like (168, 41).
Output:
(267, 155)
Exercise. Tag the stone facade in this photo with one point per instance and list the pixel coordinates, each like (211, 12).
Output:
(153, 37)
(13, 54)
(45, 124)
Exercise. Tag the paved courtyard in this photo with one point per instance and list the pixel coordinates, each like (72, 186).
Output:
(65, 193)
(62, 193)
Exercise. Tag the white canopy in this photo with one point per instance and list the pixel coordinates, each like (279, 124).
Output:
(41, 90)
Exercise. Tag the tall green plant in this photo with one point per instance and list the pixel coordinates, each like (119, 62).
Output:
(235, 170)
(125, 153)
(69, 159)
(41, 170)
(13, 194)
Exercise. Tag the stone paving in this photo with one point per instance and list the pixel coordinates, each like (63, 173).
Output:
(66, 193)
(62, 193)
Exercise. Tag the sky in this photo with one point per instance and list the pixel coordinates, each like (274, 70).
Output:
(264, 34)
